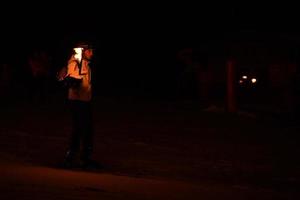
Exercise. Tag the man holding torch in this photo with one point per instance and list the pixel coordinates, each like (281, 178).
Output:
(79, 98)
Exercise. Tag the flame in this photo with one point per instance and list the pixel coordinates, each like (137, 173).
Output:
(78, 53)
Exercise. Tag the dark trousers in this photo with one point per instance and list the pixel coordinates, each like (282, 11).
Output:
(82, 129)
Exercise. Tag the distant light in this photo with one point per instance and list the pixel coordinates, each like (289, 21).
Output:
(253, 80)
(244, 77)
(241, 81)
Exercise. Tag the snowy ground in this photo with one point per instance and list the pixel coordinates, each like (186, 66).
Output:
(151, 150)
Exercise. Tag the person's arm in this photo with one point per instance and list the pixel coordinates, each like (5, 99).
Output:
(73, 70)
(73, 79)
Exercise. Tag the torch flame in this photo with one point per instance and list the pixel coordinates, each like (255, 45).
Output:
(78, 54)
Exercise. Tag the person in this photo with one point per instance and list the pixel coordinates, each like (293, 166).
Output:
(79, 99)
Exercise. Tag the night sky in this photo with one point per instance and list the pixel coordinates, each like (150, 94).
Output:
(136, 45)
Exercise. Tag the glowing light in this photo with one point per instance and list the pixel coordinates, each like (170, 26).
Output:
(253, 80)
(78, 53)
(241, 81)
(244, 77)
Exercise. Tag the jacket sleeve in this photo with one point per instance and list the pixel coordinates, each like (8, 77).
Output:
(73, 70)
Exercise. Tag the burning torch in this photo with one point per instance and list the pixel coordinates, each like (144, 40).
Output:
(78, 56)
(71, 81)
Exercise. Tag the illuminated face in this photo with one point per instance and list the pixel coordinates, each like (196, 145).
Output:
(88, 54)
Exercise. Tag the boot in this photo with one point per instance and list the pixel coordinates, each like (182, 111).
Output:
(86, 162)
(89, 164)
(68, 160)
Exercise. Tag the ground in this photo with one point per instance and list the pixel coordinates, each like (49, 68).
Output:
(150, 150)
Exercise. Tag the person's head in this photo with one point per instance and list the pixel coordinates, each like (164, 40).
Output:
(88, 53)
(87, 50)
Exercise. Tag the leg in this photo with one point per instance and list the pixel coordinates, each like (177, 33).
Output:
(87, 137)
(74, 143)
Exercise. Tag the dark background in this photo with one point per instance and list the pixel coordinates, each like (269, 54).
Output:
(136, 45)
(136, 48)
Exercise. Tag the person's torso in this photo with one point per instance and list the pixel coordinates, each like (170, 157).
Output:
(84, 91)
